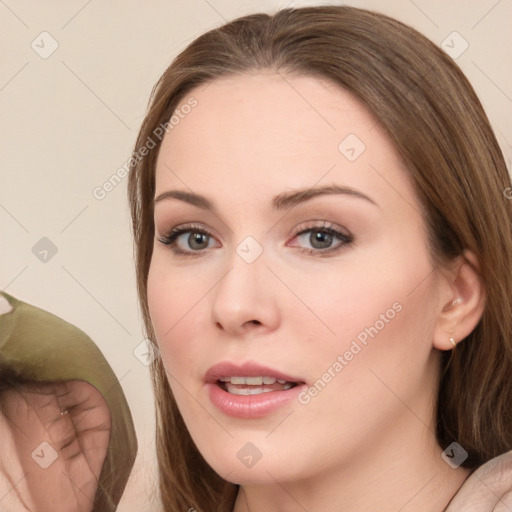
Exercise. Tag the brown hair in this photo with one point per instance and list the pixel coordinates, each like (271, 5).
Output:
(434, 118)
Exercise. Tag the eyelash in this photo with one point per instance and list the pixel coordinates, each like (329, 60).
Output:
(346, 239)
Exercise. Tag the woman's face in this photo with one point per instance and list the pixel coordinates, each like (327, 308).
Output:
(334, 290)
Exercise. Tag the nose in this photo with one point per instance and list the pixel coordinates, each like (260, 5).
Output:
(245, 299)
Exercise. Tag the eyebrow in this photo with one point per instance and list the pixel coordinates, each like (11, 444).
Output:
(280, 202)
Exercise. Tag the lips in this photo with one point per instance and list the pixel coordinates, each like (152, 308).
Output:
(248, 369)
(244, 397)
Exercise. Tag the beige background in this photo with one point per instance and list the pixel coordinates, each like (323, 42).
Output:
(68, 122)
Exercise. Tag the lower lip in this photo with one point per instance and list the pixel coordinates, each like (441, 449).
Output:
(251, 406)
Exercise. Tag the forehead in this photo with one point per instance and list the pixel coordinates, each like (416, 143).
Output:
(261, 133)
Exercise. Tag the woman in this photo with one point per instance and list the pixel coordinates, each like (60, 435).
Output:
(323, 251)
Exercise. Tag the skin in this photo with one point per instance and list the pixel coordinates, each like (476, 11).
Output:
(78, 440)
(367, 439)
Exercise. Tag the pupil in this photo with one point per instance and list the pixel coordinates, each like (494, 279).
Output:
(324, 238)
(196, 238)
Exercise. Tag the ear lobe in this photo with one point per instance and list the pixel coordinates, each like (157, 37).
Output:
(463, 303)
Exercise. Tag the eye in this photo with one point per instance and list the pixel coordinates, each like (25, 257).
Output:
(321, 237)
(193, 240)
(191, 237)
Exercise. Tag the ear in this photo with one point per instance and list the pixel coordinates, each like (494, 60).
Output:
(462, 302)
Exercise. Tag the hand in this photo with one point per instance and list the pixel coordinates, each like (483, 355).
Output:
(77, 441)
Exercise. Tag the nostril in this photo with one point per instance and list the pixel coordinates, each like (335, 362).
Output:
(255, 322)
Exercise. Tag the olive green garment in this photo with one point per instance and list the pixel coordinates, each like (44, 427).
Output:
(40, 346)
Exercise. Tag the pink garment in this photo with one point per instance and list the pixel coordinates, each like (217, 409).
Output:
(487, 489)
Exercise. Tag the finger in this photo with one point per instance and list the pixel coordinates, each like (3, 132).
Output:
(85, 405)
(89, 419)
(57, 472)
(41, 404)
(85, 428)
(79, 439)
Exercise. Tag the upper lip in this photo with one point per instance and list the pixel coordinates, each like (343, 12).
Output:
(247, 369)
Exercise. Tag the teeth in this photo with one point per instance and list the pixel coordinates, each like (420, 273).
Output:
(239, 385)
(231, 388)
(252, 381)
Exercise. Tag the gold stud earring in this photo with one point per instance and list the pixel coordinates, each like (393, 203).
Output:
(452, 341)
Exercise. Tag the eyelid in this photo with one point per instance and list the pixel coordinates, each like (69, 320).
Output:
(345, 237)
(339, 232)
(320, 225)
(192, 226)
(169, 239)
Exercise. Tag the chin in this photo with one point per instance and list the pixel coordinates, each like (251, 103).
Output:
(265, 470)
(251, 476)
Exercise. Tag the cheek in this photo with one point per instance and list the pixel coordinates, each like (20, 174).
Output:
(376, 308)
(383, 322)
(176, 307)
(380, 350)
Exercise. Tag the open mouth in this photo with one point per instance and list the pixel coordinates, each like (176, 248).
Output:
(253, 385)
(261, 391)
